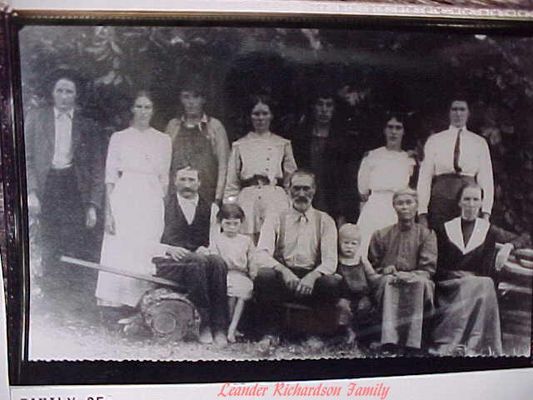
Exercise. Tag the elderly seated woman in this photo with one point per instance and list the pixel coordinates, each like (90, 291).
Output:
(404, 256)
(467, 320)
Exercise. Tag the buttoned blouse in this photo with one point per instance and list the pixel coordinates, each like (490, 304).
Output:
(385, 170)
(474, 161)
(268, 155)
(139, 152)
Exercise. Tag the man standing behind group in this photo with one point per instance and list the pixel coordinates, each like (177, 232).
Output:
(200, 141)
(453, 158)
(65, 166)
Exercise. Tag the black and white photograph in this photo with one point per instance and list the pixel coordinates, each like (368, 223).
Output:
(276, 193)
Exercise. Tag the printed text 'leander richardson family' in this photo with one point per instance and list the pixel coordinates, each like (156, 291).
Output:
(280, 389)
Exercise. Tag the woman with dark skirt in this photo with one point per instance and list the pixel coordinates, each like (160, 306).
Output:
(467, 321)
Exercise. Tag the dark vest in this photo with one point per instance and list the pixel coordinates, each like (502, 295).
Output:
(178, 232)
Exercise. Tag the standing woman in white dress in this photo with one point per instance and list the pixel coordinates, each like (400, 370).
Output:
(382, 172)
(137, 175)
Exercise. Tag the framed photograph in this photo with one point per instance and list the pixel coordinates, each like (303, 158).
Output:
(255, 197)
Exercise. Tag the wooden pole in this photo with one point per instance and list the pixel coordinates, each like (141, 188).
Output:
(104, 268)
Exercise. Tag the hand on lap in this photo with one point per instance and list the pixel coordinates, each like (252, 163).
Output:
(389, 270)
(177, 253)
(307, 283)
(404, 277)
(289, 278)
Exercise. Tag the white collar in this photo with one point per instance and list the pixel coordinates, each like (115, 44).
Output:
(456, 129)
(455, 234)
(69, 113)
(183, 200)
(307, 215)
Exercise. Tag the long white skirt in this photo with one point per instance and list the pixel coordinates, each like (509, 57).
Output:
(138, 209)
(376, 214)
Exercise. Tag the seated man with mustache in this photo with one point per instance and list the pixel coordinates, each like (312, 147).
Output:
(296, 258)
(187, 228)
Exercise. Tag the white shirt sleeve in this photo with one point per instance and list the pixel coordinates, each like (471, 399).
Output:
(214, 226)
(427, 171)
(363, 176)
(166, 157)
(113, 162)
(233, 186)
(485, 177)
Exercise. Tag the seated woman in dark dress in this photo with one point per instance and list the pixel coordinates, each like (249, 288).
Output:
(467, 321)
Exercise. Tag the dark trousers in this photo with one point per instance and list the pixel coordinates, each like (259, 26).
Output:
(62, 219)
(443, 205)
(204, 280)
(271, 293)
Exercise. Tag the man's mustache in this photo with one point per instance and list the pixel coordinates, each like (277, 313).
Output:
(302, 199)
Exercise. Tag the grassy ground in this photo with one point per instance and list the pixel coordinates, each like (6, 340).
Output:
(66, 325)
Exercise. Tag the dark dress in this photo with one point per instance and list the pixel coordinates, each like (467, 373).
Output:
(467, 319)
(332, 161)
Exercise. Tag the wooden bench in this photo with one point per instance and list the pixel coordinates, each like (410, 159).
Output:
(515, 293)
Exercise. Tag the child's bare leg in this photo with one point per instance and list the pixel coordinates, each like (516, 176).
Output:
(236, 317)
(232, 301)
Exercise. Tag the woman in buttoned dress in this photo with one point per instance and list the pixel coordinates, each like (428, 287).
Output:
(137, 174)
(258, 170)
(382, 172)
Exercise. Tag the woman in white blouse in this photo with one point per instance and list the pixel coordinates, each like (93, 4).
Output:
(383, 171)
(137, 175)
(259, 167)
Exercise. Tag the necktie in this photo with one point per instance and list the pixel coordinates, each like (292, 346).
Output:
(457, 152)
(302, 218)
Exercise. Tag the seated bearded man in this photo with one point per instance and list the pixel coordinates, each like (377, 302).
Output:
(405, 257)
(296, 259)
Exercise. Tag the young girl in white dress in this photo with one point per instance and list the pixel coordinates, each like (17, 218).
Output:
(382, 172)
(137, 173)
(237, 250)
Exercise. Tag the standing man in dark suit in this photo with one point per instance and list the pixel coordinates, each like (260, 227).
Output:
(65, 166)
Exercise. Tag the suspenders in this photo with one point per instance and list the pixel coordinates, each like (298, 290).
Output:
(280, 242)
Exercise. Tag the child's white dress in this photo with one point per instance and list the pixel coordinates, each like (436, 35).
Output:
(237, 253)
